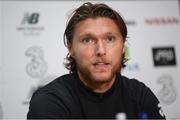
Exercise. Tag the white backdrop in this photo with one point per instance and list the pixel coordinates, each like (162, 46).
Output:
(0, 61)
(33, 51)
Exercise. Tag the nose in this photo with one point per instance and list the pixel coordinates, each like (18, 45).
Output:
(100, 48)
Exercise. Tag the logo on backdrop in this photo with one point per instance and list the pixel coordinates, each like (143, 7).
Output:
(130, 67)
(29, 24)
(30, 18)
(167, 94)
(162, 21)
(131, 22)
(164, 56)
(37, 67)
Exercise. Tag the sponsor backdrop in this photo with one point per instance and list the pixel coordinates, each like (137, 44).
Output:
(1, 114)
(32, 50)
(0, 61)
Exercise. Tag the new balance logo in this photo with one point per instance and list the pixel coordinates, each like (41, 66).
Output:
(31, 18)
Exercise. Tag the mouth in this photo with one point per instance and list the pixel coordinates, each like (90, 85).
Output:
(101, 66)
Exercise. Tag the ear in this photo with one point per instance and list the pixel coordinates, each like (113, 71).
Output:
(124, 47)
(70, 49)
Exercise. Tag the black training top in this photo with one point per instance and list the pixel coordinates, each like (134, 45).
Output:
(67, 97)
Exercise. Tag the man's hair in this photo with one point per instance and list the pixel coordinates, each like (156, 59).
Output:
(89, 10)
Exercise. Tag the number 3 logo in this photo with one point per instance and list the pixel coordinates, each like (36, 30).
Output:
(37, 67)
(168, 93)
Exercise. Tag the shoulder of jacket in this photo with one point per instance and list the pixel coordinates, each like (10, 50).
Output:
(56, 92)
(60, 86)
(132, 83)
(134, 88)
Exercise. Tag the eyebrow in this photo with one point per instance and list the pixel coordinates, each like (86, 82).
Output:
(90, 34)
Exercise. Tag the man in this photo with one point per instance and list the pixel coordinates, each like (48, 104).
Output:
(95, 37)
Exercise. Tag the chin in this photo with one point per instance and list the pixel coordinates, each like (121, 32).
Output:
(102, 78)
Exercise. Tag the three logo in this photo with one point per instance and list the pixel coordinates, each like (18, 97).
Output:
(165, 56)
(37, 67)
(167, 94)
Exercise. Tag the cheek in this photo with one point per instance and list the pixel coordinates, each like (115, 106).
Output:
(116, 54)
(83, 54)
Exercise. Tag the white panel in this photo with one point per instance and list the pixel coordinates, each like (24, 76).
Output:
(1, 83)
(0, 56)
(41, 37)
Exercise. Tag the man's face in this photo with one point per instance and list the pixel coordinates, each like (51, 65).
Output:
(97, 48)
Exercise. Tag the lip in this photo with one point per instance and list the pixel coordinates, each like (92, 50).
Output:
(101, 66)
(101, 63)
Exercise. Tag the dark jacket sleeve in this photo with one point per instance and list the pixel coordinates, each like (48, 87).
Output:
(46, 106)
(151, 105)
(147, 104)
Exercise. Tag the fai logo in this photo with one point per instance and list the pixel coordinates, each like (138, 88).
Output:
(31, 18)
(37, 67)
(167, 93)
(164, 56)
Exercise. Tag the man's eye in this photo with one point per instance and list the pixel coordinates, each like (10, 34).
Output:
(110, 39)
(87, 40)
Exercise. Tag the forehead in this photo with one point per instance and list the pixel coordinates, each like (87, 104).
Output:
(99, 24)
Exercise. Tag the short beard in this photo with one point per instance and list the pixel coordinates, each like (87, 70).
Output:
(89, 78)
